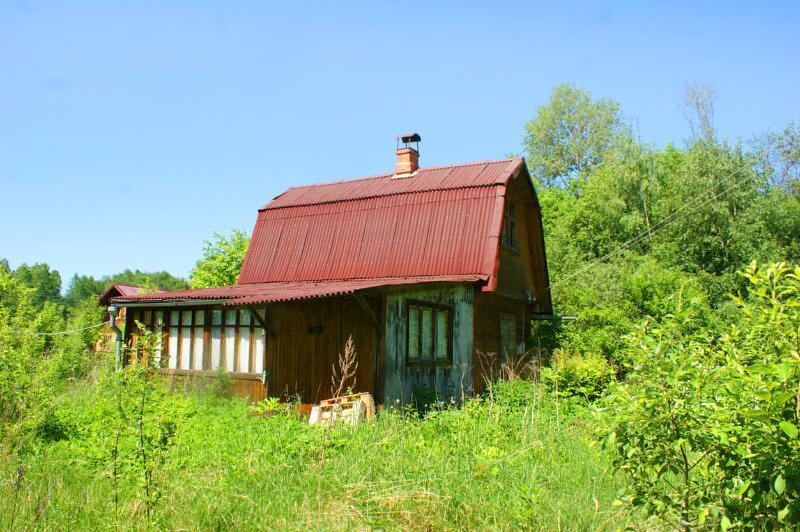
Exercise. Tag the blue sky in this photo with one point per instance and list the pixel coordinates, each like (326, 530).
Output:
(131, 131)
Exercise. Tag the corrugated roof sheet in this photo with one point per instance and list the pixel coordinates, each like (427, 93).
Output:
(442, 221)
(440, 225)
(275, 292)
(426, 179)
(118, 289)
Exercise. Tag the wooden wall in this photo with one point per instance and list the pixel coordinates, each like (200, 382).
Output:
(488, 308)
(449, 381)
(307, 338)
(300, 356)
(523, 272)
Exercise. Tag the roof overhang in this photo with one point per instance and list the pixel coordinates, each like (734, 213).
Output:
(258, 293)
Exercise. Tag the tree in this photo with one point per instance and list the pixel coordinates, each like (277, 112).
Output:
(698, 98)
(780, 153)
(147, 280)
(222, 260)
(83, 287)
(45, 282)
(571, 135)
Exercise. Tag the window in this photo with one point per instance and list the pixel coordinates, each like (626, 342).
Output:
(508, 336)
(207, 339)
(429, 333)
(510, 227)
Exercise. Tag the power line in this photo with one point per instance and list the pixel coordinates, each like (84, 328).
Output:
(661, 225)
(54, 333)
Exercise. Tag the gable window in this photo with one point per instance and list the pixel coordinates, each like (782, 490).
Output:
(429, 333)
(508, 336)
(510, 227)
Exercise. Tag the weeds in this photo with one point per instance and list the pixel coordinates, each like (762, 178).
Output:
(343, 377)
(493, 463)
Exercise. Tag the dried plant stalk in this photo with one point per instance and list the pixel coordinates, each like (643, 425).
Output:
(348, 364)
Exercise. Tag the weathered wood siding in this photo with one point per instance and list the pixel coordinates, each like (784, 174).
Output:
(523, 271)
(449, 381)
(308, 338)
(488, 308)
(303, 347)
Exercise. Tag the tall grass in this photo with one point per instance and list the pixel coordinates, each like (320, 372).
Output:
(503, 463)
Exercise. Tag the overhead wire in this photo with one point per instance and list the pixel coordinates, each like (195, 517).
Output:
(660, 225)
(53, 333)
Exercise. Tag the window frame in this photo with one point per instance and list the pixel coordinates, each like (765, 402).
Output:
(500, 318)
(510, 237)
(436, 308)
(205, 357)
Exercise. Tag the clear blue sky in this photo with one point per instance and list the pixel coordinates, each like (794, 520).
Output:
(131, 131)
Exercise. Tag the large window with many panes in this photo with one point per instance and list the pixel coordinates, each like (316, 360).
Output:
(429, 334)
(205, 339)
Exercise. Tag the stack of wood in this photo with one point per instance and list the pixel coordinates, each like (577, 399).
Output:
(350, 409)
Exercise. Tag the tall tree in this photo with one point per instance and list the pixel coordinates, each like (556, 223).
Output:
(571, 135)
(83, 287)
(45, 282)
(222, 260)
(698, 98)
(781, 156)
(149, 280)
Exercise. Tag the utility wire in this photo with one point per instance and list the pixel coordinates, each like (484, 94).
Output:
(55, 333)
(661, 225)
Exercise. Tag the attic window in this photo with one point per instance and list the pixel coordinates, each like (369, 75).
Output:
(429, 334)
(509, 238)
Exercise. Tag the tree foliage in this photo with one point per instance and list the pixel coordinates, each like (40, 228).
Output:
(83, 287)
(706, 426)
(639, 230)
(46, 283)
(571, 135)
(222, 260)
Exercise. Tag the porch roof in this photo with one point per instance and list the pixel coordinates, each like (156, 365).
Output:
(250, 294)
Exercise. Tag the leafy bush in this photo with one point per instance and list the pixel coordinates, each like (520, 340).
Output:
(707, 427)
(513, 394)
(580, 375)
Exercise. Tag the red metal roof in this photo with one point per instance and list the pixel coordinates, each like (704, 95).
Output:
(441, 221)
(441, 224)
(275, 292)
(425, 180)
(116, 290)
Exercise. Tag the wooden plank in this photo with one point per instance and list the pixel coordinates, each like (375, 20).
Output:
(261, 321)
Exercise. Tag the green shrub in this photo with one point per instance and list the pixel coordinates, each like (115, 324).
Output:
(579, 375)
(707, 428)
(513, 394)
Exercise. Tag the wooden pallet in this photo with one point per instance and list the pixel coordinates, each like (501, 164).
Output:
(350, 409)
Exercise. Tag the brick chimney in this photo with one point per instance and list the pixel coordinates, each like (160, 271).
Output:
(407, 157)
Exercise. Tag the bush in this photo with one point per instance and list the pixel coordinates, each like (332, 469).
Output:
(513, 394)
(707, 426)
(579, 375)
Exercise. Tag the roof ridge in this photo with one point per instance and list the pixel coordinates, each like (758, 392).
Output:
(378, 176)
(373, 196)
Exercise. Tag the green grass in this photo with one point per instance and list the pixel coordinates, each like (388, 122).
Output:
(514, 461)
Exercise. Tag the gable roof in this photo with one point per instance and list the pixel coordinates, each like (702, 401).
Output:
(118, 290)
(441, 221)
(442, 224)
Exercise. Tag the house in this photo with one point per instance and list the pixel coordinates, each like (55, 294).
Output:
(424, 267)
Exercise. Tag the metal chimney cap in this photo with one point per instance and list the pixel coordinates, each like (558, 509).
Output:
(409, 137)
